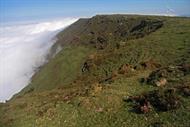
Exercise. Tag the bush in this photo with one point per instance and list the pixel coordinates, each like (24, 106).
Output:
(162, 100)
(171, 73)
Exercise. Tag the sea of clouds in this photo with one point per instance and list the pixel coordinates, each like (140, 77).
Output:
(23, 48)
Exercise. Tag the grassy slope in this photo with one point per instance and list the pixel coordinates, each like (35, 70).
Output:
(58, 101)
(60, 70)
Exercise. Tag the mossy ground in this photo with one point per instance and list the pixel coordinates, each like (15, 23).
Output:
(61, 95)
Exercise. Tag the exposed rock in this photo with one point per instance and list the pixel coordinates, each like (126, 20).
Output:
(85, 67)
(161, 82)
(99, 110)
(97, 88)
(88, 64)
(164, 75)
(101, 42)
(150, 64)
(125, 68)
(142, 105)
(144, 108)
(145, 27)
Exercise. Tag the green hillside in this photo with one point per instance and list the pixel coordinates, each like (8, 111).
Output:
(112, 71)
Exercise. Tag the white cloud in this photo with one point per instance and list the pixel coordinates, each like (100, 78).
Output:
(23, 49)
(140, 13)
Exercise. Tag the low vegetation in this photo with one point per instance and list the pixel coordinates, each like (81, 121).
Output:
(113, 71)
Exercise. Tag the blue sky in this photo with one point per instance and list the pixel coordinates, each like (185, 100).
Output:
(12, 10)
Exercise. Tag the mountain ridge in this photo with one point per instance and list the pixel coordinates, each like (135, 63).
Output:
(113, 70)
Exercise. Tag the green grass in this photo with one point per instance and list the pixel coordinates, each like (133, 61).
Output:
(60, 95)
(115, 111)
(61, 70)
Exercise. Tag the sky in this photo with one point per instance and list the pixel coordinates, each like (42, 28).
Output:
(15, 10)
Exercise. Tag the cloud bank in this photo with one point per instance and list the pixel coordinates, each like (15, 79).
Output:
(23, 48)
